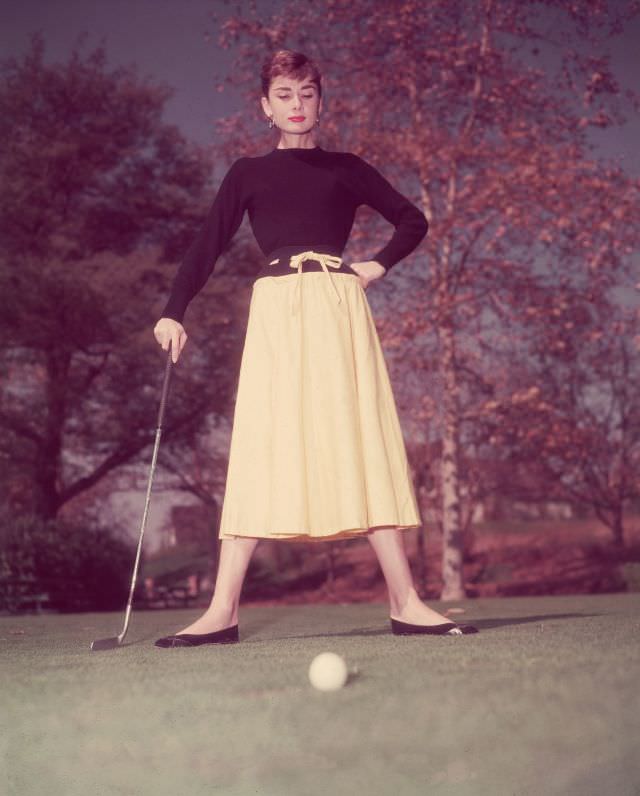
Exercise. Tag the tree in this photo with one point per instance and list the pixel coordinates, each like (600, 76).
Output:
(446, 98)
(98, 192)
(578, 425)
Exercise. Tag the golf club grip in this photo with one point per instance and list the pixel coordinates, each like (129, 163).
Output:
(165, 388)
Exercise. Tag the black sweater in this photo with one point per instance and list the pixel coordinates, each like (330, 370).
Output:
(295, 196)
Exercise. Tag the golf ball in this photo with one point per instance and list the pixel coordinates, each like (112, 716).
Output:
(328, 672)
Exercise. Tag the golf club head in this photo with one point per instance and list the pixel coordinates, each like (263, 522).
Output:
(105, 643)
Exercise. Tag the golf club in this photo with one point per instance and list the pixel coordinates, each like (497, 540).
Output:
(116, 641)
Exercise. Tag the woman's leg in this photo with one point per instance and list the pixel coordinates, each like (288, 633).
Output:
(222, 612)
(404, 602)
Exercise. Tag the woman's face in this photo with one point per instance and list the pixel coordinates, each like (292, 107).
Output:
(294, 104)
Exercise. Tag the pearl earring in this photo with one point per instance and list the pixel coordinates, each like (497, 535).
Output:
(270, 122)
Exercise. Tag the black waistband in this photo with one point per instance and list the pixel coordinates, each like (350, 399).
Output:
(283, 255)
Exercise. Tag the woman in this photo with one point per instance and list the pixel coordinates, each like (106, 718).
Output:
(316, 449)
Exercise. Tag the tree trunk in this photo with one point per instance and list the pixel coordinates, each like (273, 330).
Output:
(332, 559)
(617, 526)
(452, 537)
(613, 518)
(46, 495)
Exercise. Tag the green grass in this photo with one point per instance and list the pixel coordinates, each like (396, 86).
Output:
(543, 701)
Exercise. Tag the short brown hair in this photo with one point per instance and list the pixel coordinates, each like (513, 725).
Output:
(288, 63)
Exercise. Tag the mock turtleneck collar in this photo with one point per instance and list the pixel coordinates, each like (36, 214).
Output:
(296, 149)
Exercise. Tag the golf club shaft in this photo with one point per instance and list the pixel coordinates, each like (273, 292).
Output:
(163, 401)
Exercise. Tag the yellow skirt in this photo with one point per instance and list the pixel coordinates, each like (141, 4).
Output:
(316, 451)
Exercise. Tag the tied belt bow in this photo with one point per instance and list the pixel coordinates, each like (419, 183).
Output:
(325, 260)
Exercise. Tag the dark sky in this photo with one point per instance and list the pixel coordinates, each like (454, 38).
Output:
(166, 39)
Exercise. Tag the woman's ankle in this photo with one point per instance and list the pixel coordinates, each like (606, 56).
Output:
(225, 611)
(400, 602)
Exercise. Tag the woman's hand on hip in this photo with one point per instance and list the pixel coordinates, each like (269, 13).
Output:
(368, 271)
(166, 331)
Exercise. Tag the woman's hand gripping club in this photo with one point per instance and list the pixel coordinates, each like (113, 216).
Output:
(166, 331)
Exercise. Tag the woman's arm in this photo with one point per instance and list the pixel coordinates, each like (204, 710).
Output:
(221, 224)
(410, 223)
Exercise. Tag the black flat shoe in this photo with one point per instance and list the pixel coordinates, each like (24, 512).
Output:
(228, 635)
(406, 629)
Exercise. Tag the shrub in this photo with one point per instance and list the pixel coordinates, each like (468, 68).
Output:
(82, 567)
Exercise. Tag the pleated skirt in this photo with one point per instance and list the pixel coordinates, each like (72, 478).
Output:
(317, 451)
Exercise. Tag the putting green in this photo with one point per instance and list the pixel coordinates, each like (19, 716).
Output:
(542, 701)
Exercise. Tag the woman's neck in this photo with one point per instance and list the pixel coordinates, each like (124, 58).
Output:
(296, 142)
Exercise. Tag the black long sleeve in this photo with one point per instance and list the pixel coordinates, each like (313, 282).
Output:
(220, 225)
(410, 223)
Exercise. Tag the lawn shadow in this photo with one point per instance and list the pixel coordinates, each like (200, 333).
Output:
(254, 632)
(481, 624)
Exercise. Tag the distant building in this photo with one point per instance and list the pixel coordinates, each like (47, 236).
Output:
(193, 526)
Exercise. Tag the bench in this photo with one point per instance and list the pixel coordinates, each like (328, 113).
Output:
(22, 595)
